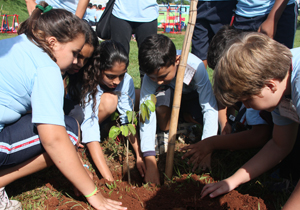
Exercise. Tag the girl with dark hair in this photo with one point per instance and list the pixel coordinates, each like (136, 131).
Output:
(32, 63)
(73, 78)
(107, 88)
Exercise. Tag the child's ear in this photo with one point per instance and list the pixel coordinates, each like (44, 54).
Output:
(272, 85)
(177, 60)
(51, 41)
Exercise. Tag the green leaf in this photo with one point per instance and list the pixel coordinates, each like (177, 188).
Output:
(124, 129)
(144, 111)
(132, 129)
(153, 99)
(150, 105)
(114, 132)
(114, 116)
(129, 116)
(135, 121)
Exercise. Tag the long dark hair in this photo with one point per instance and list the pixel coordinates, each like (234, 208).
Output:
(59, 23)
(106, 55)
(76, 80)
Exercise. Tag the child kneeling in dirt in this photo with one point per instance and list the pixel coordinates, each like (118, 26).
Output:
(256, 131)
(264, 75)
(31, 67)
(104, 80)
(159, 60)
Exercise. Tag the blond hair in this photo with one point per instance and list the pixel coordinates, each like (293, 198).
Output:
(250, 61)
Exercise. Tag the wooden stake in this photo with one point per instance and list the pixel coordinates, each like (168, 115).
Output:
(178, 87)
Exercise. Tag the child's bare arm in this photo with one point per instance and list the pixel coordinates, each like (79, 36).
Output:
(271, 154)
(269, 26)
(30, 5)
(81, 8)
(139, 158)
(293, 202)
(222, 114)
(152, 174)
(99, 160)
(57, 144)
(257, 136)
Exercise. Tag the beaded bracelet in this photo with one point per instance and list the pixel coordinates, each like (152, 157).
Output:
(86, 166)
(93, 193)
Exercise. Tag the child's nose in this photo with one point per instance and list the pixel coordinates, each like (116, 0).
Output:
(75, 60)
(160, 82)
(117, 80)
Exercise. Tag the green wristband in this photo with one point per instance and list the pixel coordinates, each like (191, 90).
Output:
(93, 193)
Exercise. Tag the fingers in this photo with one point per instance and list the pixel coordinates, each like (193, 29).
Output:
(188, 153)
(142, 169)
(215, 189)
(185, 148)
(115, 204)
(80, 145)
(209, 188)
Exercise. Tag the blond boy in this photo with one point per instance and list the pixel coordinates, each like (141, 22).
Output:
(264, 75)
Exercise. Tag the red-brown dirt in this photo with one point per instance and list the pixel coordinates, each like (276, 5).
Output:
(181, 193)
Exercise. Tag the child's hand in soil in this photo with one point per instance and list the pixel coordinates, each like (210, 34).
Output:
(204, 164)
(198, 152)
(140, 164)
(219, 188)
(101, 203)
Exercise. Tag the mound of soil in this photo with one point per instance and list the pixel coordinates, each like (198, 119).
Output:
(181, 193)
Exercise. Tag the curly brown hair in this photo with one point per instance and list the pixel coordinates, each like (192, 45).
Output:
(105, 56)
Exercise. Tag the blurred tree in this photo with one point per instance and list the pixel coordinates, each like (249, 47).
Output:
(164, 1)
(184, 2)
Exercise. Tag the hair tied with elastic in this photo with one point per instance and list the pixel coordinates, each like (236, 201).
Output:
(44, 9)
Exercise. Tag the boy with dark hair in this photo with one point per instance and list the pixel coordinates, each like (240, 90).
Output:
(159, 61)
(215, 51)
(219, 43)
(264, 75)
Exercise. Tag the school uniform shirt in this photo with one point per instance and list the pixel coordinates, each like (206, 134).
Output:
(199, 82)
(90, 126)
(70, 5)
(136, 10)
(253, 118)
(98, 14)
(279, 118)
(253, 8)
(90, 14)
(250, 117)
(29, 80)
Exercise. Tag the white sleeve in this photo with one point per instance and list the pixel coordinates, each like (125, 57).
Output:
(207, 102)
(148, 129)
(90, 125)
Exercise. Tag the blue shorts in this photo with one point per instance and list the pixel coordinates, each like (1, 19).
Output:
(286, 26)
(73, 110)
(189, 102)
(211, 16)
(20, 142)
